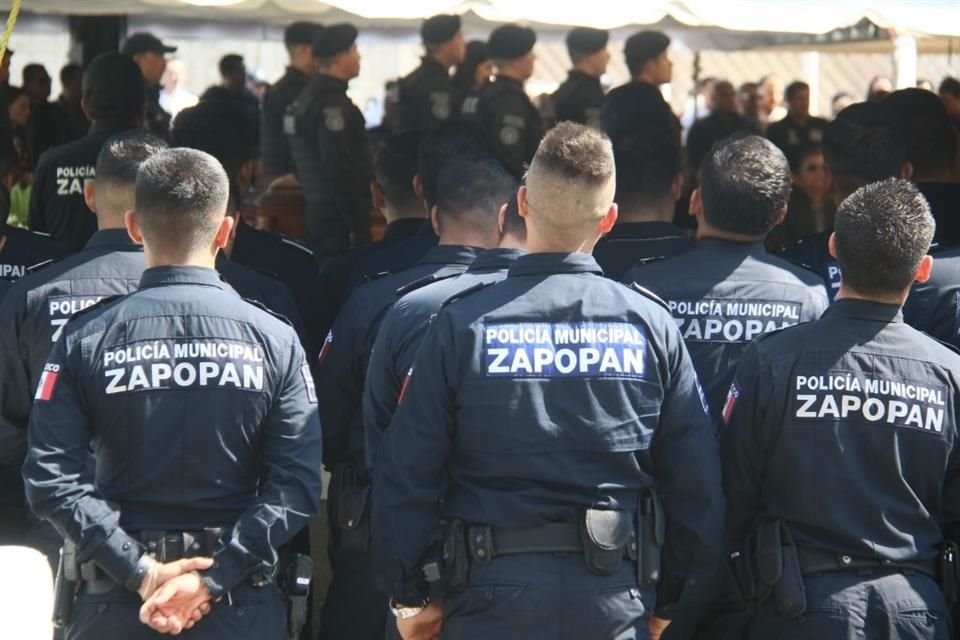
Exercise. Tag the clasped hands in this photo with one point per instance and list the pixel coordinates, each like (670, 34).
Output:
(174, 595)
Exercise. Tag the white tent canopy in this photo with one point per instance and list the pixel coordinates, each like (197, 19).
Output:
(914, 17)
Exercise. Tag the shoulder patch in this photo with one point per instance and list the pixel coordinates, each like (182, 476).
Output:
(333, 119)
(466, 292)
(296, 244)
(650, 294)
(422, 282)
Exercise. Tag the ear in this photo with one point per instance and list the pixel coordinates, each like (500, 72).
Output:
(501, 219)
(376, 193)
(435, 221)
(925, 270)
(609, 219)
(224, 231)
(676, 188)
(832, 245)
(522, 204)
(418, 187)
(133, 229)
(83, 105)
(696, 203)
(89, 190)
(906, 171)
(782, 215)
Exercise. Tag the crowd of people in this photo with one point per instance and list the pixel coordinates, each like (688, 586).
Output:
(602, 376)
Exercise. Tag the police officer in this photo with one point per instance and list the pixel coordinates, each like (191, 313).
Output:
(468, 201)
(328, 141)
(639, 102)
(580, 97)
(274, 148)
(864, 144)
(649, 183)
(502, 108)
(406, 321)
(833, 423)
(219, 391)
(425, 99)
(798, 129)
(540, 412)
(19, 248)
(149, 53)
(38, 306)
(113, 98)
(934, 306)
(727, 290)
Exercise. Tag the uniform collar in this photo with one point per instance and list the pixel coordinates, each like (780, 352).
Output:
(107, 127)
(324, 81)
(178, 274)
(644, 230)
(403, 228)
(112, 239)
(495, 259)
(547, 263)
(580, 76)
(865, 310)
(450, 254)
(294, 73)
(510, 83)
(431, 65)
(730, 246)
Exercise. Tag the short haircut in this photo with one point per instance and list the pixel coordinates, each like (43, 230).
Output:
(34, 72)
(744, 185)
(114, 89)
(231, 64)
(513, 224)
(883, 230)
(648, 161)
(950, 85)
(863, 144)
(471, 192)
(122, 155)
(801, 153)
(70, 73)
(931, 142)
(395, 165)
(570, 183)
(181, 197)
(220, 128)
(439, 147)
(794, 88)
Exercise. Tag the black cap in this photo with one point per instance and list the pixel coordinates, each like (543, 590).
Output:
(301, 33)
(439, 29)
(143, 43)
(334, 39)
(113, 87)
(510, 41)
(586, 40)
(643, 46)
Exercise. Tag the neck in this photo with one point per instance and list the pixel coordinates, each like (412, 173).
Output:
(106, 222)
(537, 243)
(439, 59)
(336, 74)
(658, 212)
(585, 69)
(466, 239)
(164, 259)
(848, 293)
(643, 76)
(392, 215)
(303, 66)
(799, 118)
(704, 231)
(510, 72)
(510, 241)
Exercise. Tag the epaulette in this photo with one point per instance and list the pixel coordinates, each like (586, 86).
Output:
(466, 292)
(296, 244)
(45, 263)
(95, 305)
(422, 282)
(953, 348)
(649, 294)
(370, 277)
(649, 260)
(263, 307)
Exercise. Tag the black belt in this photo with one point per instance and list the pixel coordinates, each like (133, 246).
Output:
(486, 543)
(817, 561)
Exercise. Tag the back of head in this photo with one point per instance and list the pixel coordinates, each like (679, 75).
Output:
(217, 127)
(114, 89)
(394, 166)
(583, 41)
(648, 161)
(950, 85)
(469, 196)
(931, 142)
(440, 146)
(70, 73)
(231, 65)
(118, 162)
(181, 197)
(863, 144)
(882, 230)
(571, 181)
(644, 46)
(300, 33)
(34, 73)
(744, 185)
(793, 89)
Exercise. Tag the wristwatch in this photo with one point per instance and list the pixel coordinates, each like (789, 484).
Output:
(402, 612)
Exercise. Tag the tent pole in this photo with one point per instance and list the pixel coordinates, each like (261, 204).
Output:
(905, 61)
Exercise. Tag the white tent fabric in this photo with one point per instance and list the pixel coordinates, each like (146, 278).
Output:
(916, 17)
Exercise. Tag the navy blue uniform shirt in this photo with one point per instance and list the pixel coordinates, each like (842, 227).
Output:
(630, 243)
(21, 249)
(579, 99)
(199, 410)
(813, 253)
(551, 391)
(846, 429)
(725, 294)
(510, 121)
(425, 100)
(400, 334)
(274, 148)
(934, 306)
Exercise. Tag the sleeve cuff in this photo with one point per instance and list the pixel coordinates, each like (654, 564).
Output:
(120, 557)
(225, 574)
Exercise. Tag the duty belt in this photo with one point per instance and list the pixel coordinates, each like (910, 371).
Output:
(485, 543)
(814, 561)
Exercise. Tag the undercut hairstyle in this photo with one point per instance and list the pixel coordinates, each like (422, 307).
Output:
(931, 142)
(883, 230)
(571, 180)
(181, 198)
(231, 64)
(794, 88)
(513, 224)
(471, 192)
(441, 146)
(648, 160)
(395, 165)
(864, 144)
(122, 155)
(744, 185)
(220, 128)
